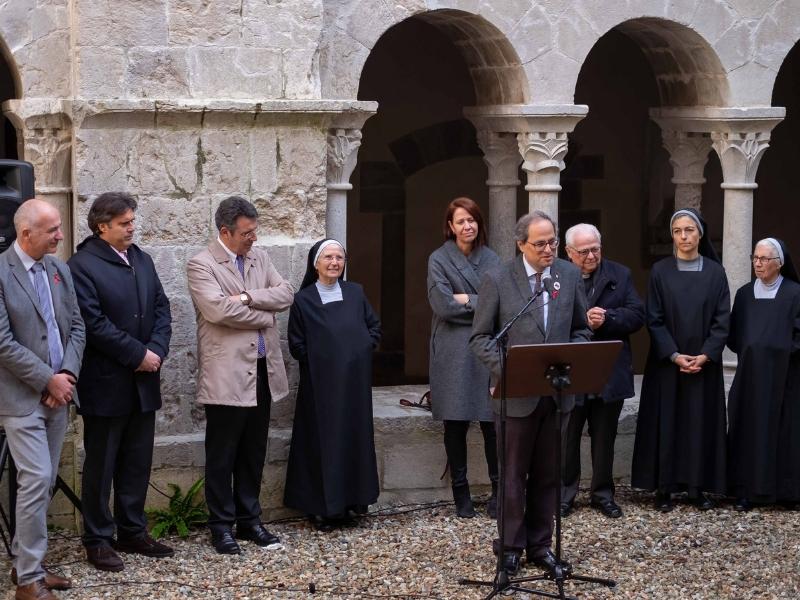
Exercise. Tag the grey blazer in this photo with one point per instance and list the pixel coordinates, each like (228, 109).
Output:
(24, 356)
(503, 293)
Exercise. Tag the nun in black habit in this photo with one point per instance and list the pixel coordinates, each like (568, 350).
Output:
(764, 401)
(680, 436)
(332, 473)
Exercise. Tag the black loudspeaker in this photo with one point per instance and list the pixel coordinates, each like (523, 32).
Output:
(16, 186)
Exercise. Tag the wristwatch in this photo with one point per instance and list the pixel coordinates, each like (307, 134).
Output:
(245, 298)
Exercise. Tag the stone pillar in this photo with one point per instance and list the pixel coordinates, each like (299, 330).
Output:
(543, 155)
(739, 154)
(342, 155)
(688, 155)
(502, 158)
(45, 133)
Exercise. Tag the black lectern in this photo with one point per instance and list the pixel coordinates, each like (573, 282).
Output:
(548, 370)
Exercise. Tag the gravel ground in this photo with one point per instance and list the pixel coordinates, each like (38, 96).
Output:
(422, 551)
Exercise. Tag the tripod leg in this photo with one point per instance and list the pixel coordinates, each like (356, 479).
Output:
(61, 485)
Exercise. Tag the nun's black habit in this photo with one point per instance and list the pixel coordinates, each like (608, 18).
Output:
(764, 401)
(680, 435)
(332, 466)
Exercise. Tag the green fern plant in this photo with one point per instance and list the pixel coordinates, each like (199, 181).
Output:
(183, 512)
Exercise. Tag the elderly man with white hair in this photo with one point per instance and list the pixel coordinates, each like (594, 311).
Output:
(615, 312)
(764, 401)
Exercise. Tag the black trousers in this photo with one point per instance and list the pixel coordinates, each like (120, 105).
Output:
(236, 448)
(529, 497)
(603, 418)
(455, 446)
(119, 452)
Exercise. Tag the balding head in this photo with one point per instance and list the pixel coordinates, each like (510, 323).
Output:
(38, 227)
(30, 213)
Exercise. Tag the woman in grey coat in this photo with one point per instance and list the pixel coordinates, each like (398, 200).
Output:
(459, 382)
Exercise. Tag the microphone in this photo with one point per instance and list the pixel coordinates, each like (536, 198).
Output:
(547, 284)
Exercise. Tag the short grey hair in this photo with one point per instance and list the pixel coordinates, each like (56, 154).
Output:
(586, 228)
(29, 214)
(525, 221)
(229, 211)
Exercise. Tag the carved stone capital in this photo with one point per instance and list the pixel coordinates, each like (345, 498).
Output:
(740, 154)
(501, 155)
(342, 155)
(688, 155)
(543, 158)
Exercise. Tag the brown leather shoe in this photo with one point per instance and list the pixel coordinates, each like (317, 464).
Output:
(51, 580)
(34, 591)
(144, 545)
(104, 558)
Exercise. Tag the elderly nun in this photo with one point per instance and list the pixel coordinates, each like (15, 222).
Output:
(764, 401)
(332, 474)
(680, 436)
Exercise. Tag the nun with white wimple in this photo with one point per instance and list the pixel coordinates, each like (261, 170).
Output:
(332, 474)
(680, 435)
(764, 401)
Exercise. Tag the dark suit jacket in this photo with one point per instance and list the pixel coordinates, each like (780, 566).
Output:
(503, 293)
(126, 313)
(613, 290)
(24, 355)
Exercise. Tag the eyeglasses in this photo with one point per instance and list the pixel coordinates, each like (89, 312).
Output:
(762, 259)
(584, 253)
(330, 259)
(539, 246)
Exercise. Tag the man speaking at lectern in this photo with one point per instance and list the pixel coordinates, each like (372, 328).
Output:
(558, 315)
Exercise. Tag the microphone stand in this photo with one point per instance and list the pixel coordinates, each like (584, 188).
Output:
(501, 582)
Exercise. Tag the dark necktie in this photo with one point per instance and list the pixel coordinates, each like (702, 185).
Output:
(53, 343)
(262, 348)
(538, 304)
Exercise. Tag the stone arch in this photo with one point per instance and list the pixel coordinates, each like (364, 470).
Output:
(687, 70)
(493, 62)
(10, 88)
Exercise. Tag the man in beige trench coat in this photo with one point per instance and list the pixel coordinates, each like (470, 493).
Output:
(236, 293)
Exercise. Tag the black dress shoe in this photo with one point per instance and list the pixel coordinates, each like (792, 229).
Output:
(144, 545)
(259, 535)
(549, 562)
(567, 508)
(104, 558)
(742, 505)
(664, 502)
(703, 502)
(322, 524)
(511, 562)
(608, 507)
(224, 543)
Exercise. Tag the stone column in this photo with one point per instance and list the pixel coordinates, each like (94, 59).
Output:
(45, 133)
(543, 155)
(739, 154)
(688, 155)
(502, 158)
(342, 155)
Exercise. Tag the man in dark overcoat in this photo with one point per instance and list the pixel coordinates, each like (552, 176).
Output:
(128, 328)
(557, 316)
(615, 312)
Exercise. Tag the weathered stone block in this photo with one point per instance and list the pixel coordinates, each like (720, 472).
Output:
(249, 72)
(101, 72)
(44, 65)
(301, 73)
(122, 23)
(157, 73)
(163, 162)
(226, 161)
(574, 37)
(263, 160)
(200, 22)
(287, 24)
(173, 221)
(101, 157)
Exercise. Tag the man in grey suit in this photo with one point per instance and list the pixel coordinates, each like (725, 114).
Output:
(558, 315)
(41, 345)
